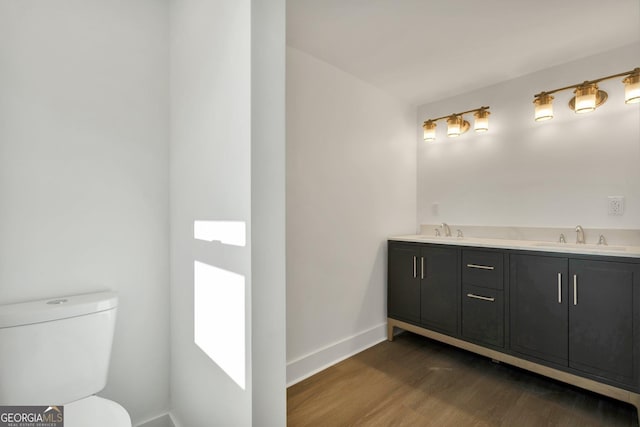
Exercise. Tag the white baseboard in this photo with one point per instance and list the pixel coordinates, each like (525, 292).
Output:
(164, 420)
(312, 363)
(174, 421)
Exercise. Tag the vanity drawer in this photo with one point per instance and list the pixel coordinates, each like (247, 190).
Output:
(482, 268)
(483, 315)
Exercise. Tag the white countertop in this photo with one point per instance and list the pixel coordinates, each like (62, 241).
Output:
(529, 245)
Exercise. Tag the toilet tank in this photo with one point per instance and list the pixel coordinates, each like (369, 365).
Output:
(57, 350)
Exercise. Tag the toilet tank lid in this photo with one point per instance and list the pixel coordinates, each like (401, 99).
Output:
(45, 310)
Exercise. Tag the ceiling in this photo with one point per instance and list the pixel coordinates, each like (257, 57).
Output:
(425, 50)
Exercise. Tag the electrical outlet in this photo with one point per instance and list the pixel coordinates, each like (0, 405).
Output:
(616, 205)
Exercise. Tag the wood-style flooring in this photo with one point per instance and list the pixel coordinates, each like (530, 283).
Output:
(415, 381)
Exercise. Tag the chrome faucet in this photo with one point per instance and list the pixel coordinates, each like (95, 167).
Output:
(446, 229)
(580, 234)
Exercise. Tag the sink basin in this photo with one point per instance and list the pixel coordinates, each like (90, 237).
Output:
(589, 247)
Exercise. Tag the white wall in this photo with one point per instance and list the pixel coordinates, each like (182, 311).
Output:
(268, 258)
(210, 180)
(351, 182)
(527, 173)
(222, 168)
(83, 172)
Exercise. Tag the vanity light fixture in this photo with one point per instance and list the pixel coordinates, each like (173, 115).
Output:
(429, 130)
(481, 122)
(457, 125)
(588, 96)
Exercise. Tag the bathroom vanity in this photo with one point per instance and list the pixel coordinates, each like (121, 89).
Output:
(569, 312)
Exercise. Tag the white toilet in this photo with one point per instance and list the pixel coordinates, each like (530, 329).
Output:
(56, 352)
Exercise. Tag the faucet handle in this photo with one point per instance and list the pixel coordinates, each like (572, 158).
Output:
(460, 236)
(562, 238)
(437, 232)
(602, 240)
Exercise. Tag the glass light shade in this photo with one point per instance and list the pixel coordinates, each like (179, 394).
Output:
(632, 88)
(481, 123)
(586, 96)
(454, 126)
(543, 107)
(429, 130)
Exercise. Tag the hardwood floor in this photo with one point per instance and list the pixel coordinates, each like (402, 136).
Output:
(415, 381)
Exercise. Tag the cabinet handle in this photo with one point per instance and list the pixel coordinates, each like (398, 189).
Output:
(422, 267)
(575, 289)
(559, 288)
(481, 297)
(414, 267)
(481, 267)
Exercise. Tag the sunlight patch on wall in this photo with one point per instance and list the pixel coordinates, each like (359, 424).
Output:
(219, 318)
(227, 232)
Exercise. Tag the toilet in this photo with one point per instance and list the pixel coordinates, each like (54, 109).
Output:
(56, 352)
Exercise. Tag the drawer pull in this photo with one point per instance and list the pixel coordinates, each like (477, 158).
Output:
(481, 297)
(421, 267)
(559, 288)
(575, 289)
(481, 267)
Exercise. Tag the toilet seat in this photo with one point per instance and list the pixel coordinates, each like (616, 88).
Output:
(94, 411)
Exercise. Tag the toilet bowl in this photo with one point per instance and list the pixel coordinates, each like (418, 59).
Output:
(57, 352)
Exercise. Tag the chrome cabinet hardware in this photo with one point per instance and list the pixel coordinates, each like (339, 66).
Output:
(481, 297)
(575, 289)
(481, 267)
(559, 288)
(414, 266)
(422, 267)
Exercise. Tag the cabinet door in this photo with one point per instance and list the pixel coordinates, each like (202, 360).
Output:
(439, 294)
(601, 318)
(403, 282)
(483, 315)
(538, 302)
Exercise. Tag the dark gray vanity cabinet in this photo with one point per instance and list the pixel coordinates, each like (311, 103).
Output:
(603, 315)
(572, 317)
(403, 282)
(439, 294)
(483, 297)
(576, 313)
(539, 315)
(423, 285)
